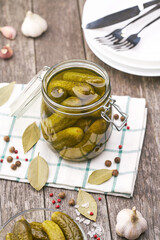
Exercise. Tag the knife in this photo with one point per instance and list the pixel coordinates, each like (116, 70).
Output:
(120, 16)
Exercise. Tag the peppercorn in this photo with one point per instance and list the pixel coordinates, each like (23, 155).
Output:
(117, 159)
(71, 202)
(122, 118)
(13, 167)
(6, 138)
(9, 159)
(18, 163)
(12, 149)
(61, 195)
(115, 173)
(116, 116)
(108, 163)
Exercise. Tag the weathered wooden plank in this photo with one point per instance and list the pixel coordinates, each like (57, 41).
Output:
(14, 196)
(21, 67)
(62, 41)
(102, 218)
(147, 194)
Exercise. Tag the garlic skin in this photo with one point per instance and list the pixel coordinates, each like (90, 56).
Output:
(130, 224)
(6, 52)
(33, 25)
(8, 32)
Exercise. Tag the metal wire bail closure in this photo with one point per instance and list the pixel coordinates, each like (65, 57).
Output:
(107, 106)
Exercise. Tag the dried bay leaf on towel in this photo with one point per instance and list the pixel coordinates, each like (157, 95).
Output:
(38, 172)
(86, 205)
(30, 137)
(100, 176)
(5, 93)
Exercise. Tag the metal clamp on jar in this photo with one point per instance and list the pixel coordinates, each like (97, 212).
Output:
(76, 109)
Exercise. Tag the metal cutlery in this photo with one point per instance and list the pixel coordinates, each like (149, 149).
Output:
(118, 34)
(132, 40)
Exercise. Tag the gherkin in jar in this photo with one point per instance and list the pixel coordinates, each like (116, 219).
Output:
(71, 120)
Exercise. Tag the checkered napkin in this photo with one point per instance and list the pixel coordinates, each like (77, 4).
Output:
(72, 175)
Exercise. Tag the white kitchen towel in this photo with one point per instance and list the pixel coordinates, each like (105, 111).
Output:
(74, 175)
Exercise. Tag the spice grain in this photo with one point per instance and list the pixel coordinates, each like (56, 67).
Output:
(9, 159)
(108, 163)
(6, 138)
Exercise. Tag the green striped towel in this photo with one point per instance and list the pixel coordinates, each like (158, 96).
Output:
(74, 175)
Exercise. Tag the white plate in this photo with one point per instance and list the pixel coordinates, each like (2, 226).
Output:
(124, 68)
(145, 56)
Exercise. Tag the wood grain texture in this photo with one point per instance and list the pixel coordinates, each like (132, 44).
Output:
(21, 67)
(147, 189)
(14, 196)
(64, 40)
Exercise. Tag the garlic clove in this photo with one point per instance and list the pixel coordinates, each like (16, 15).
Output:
(33, 25)
(8, 32)
(6, 52)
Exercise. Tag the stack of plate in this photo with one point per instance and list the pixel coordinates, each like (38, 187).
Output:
(142, 60)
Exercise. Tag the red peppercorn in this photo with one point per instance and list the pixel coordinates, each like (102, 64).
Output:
(51, 194)
(53, 201)
(99, 198)
(120, 146)
(98, 239)
(95, 236)
(91, 213)
(1, 160)
(16, 151)
(128, 127)
(26, 159)
(59, 200)
(17, 157)
(125, 124)
(57, 206)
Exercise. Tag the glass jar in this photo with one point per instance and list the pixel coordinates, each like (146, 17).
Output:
(77, 132)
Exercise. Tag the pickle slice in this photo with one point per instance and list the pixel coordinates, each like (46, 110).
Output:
(52, 230)
(68, 226)
(9, 236)
(37, 231)
(22, 230)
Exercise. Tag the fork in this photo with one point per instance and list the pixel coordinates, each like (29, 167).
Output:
(132, 40)
(117, 35)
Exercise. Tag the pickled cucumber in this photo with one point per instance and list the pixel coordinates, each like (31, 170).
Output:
(22, 230)
(9, 236)
(70, 229)
(83, 88)
(52, 230)
(67, 138)
(37, 231)
(72, 102)
(97, 82)
(91, 138)
(83, 123)
(57, 122)
(58, 94)
(84, 77)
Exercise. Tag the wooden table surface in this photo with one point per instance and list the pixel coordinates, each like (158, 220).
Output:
(64, 40)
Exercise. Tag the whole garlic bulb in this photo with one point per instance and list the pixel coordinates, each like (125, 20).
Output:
(130, 223)
(33, 25)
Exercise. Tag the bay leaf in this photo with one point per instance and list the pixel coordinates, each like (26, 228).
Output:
(5, 93)
(86, 199)
(100, 176)
(30, 137)
(38, 172)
